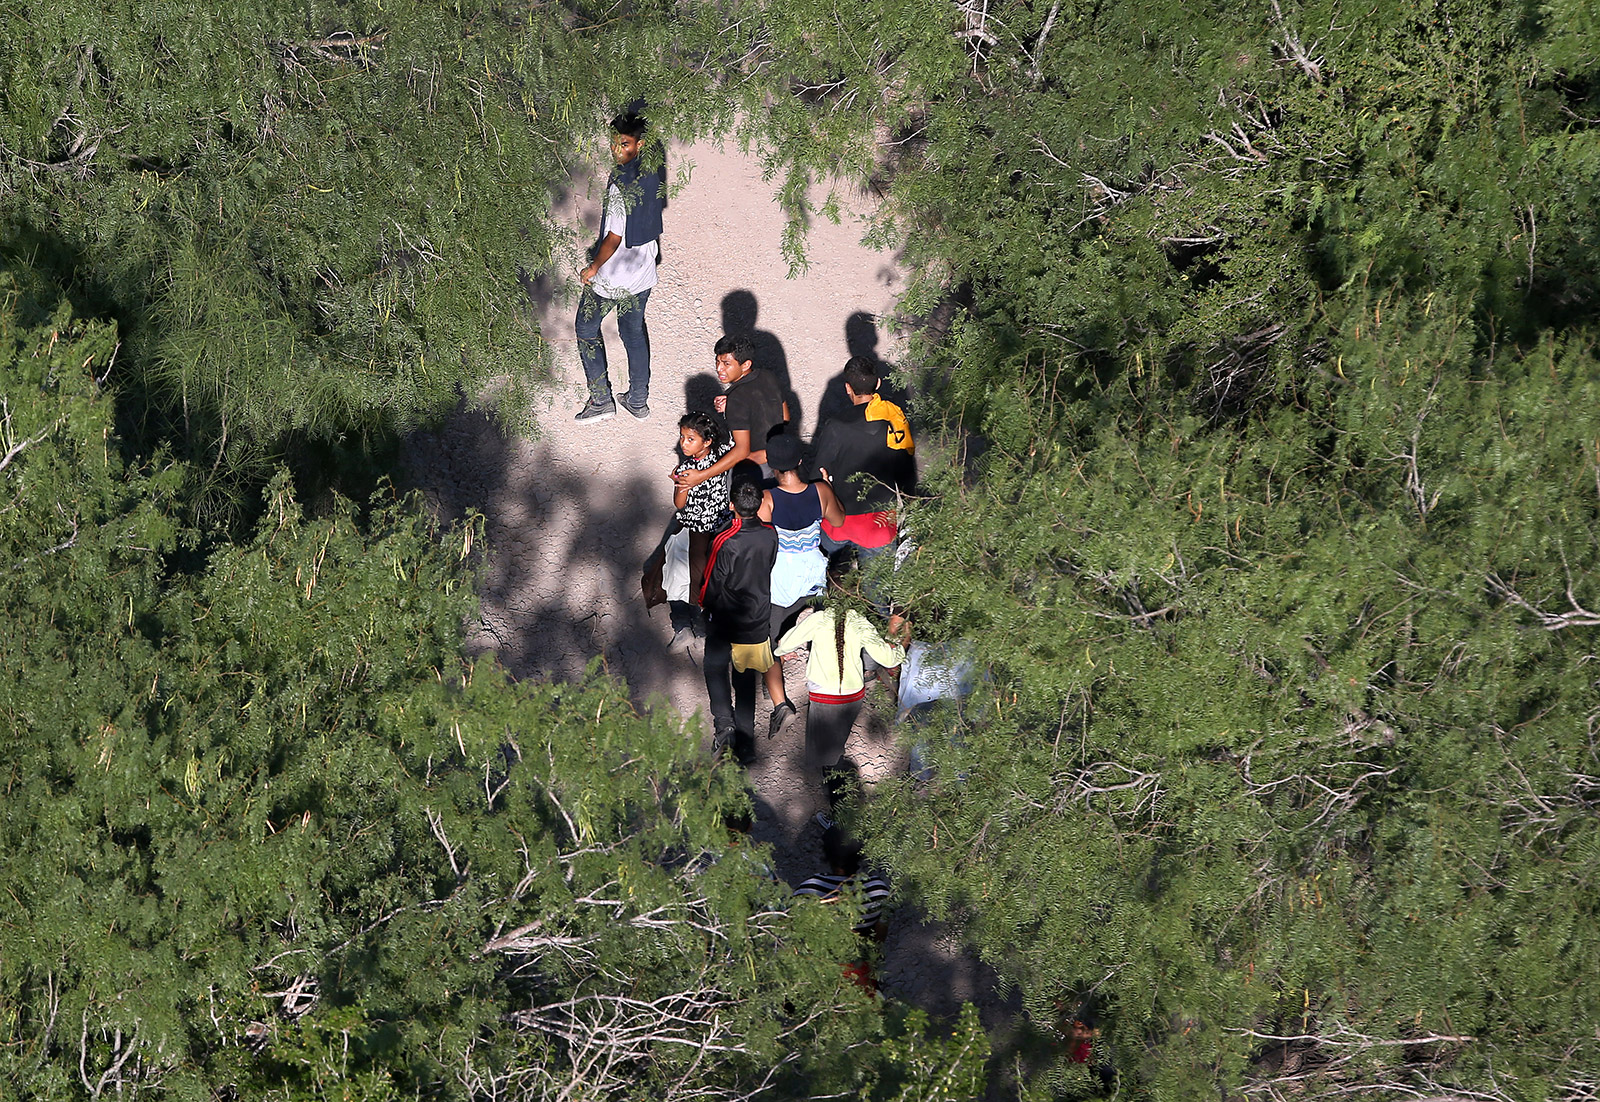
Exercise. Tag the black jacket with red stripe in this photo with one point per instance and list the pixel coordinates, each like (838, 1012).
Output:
(737, 591)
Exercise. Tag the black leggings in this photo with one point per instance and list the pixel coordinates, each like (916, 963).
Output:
(827, 730)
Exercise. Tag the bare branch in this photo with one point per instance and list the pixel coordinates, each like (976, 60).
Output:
(436, 824)
(1038, 47)
(122, 1049)
(1212, 236)
(1104, 778)
(1240, 148)
(1531, 228)
(298, 998)
(8, 439)
(1296, 53)
(1576, 617)
(491, 791)
(62, 546)
(629, 1027)
(571, 826)
(521, 941)
(342, 47)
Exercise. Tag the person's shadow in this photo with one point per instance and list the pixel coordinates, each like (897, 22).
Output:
(739, 312)
(700, 392)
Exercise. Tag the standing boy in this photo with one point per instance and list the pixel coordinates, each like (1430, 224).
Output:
(622, 274)
(737, 599)
(752, 406)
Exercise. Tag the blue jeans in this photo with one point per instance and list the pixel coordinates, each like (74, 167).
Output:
(592, 309)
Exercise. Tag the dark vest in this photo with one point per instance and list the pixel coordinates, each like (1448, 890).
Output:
(644, 193)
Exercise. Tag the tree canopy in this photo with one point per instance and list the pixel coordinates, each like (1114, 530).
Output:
(1273, 359)
(269, 834)
(1265, 339)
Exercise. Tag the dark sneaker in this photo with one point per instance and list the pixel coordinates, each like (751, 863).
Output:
(782, 713)
(728, 740)
(596, 411)
(640, 412)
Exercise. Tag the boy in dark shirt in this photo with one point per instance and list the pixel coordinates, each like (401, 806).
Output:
(753, 408)
(866, 455)
(754, 401)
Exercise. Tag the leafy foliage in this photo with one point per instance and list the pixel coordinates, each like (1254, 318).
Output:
(1269, 344)
(309, 220)
(269, 835)
(1266, 335)
(1291, 739)
(317, 225)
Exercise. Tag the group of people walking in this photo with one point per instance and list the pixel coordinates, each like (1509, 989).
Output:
(771, 533)
(767, 532)
(773, 541)
(768, 527)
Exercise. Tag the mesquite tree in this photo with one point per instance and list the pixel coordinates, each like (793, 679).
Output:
(1265, 334)
(269, 834)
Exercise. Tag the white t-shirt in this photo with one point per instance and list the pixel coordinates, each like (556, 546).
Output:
(629, 271)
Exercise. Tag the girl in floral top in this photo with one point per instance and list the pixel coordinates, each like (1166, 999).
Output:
(702, 509)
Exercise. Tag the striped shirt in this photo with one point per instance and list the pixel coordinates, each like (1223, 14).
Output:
(873, 892)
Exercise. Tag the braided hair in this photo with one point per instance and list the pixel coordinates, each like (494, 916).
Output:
(841, 566)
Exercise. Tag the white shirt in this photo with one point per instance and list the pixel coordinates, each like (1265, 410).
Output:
(629, 271)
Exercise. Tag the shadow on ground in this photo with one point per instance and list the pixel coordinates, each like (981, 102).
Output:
(546, 528)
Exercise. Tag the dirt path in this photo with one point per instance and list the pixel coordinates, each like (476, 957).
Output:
(572, 514)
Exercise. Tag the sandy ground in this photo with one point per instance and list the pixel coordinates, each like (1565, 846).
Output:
(572, 514)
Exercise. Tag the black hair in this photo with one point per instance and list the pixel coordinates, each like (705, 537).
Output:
(840, 563)
(861, 375)
(784, 452)
(746, 498)
(709, 428)
(630, 123)
(740, 346)
(1085, 1010)
(842, 852)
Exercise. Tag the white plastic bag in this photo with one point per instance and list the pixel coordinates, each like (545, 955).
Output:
(675, 570)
